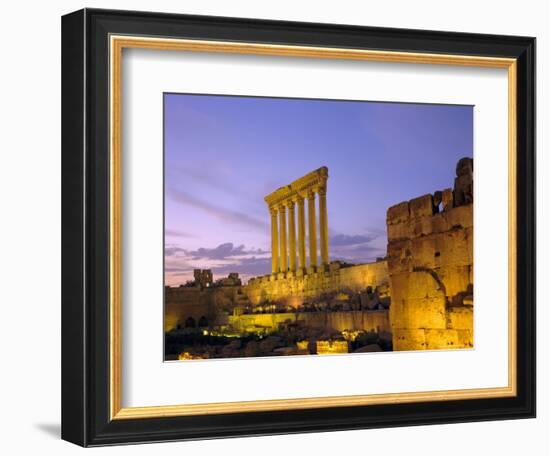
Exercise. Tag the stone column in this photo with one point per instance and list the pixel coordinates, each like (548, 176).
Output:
(274, 241)
(282, 234)
(323, 222)
(312, 222)
(291, 236)
(301, 233)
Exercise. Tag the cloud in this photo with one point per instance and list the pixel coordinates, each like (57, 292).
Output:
(346, 239)
(172, 250)
(177, 233)
(358, 253)
(250, 262)
(214, 176)
(358, 248)
(223, 251)
(246, 267)
(178, 269)
(225, 215)
(223, 259)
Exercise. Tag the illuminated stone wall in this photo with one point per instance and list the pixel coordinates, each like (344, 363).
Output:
(212, 303)
(370, 321)
(430, 265)
(296, 287)
(331, 347)
(215, 303)
(182, 303)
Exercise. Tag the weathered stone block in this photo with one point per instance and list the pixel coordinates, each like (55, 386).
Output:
(439, 223)
(455, 248)
(437, 339)
(371, 348)
(415, 285)
(399, 256)
(465, 338)
(409, 339)
(447, 199)
(398, 213)
(270, 343)
(399, 231)
(421, 227)
(456, 279)
(461, 318)
(423, 250)
(418, 313)
(423, 206)
(462, 216)
(331, 347)
(463, 190)
(448, 339)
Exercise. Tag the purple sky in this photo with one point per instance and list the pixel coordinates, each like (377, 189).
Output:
(224, 154)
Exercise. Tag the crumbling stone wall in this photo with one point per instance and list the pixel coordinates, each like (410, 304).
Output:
(203, 277)
(370, 321)
(430, 266)
(198, 303)
(215, 303)
(296, 287)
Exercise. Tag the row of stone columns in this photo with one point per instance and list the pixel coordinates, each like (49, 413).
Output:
(283, 248)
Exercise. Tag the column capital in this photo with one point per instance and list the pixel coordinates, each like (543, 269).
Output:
(289, 203)
(298, 198)
(310, 193)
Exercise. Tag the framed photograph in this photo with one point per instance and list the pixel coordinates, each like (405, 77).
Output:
(271, 227)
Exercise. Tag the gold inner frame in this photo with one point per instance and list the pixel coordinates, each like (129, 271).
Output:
(117, 44)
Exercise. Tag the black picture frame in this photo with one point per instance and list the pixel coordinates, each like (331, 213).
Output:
(85, 228)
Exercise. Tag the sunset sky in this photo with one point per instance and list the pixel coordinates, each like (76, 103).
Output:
(224, 154)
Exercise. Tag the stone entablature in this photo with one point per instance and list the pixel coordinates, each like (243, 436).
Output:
(288, 238)
(313, 181)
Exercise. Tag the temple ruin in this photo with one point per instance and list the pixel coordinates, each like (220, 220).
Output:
(284, 201)
(419, 297)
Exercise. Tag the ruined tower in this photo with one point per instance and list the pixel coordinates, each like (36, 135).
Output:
(431, 265)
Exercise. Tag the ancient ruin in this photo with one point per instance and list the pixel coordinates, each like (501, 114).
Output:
(285, 199)
(430, 265)
(419, 297)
